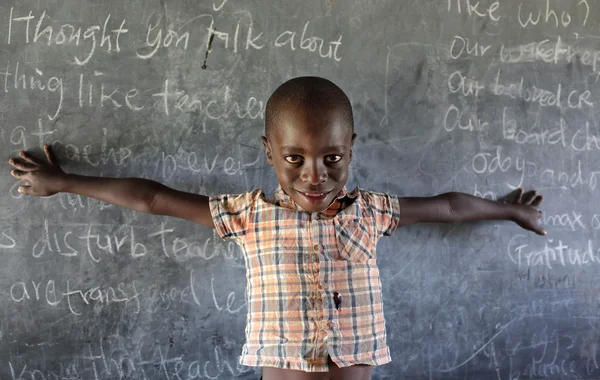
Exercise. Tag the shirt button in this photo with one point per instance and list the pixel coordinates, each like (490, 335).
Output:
(317, 247)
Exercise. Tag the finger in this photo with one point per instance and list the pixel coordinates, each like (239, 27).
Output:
(537, 201)
(540, 231)
(22, 166)
(31, 159)
(18, 174)
(50, 155)
(529, 197)
(518, 195)
(27, 190)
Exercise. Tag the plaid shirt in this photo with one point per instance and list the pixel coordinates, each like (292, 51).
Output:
(313, 286)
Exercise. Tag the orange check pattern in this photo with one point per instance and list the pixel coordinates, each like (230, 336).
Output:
(295, 263)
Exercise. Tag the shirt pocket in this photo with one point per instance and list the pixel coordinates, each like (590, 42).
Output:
(354, 238)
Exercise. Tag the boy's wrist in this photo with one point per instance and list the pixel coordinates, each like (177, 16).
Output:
(65, 182)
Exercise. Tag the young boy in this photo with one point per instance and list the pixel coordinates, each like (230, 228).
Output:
(313, 287)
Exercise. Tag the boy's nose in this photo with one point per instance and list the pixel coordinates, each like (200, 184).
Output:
(314, 174)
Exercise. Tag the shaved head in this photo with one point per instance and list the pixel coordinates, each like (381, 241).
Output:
(306, 95)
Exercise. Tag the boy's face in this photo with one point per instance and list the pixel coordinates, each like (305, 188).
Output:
(310, 151)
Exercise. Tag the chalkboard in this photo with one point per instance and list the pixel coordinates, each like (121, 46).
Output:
(477, 96)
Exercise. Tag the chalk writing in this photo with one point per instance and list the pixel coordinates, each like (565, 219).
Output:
(172, 165)
(6, 240)
(170, 98)
(458, 83)
(457, 118)
(93, 155)
(552, 51)
(549, 16)
(114, 358)
(552, 254)
(157, 37)
(68, 34)
(528, 170)
(34, 80)
(464, 46)
(73, 295)
(228, 307)
(473, 8)
(547, 280)
(312, 44)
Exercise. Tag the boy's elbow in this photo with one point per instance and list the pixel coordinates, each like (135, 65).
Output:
(452, 207)
(149, 200)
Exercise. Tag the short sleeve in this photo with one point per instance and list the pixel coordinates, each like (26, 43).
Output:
(385, 209)
(230, 213)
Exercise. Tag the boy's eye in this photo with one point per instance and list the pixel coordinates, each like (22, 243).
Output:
(293, 159)
(333, 158)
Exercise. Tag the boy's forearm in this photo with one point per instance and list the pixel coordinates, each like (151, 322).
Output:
(132, 193)
(464, 207)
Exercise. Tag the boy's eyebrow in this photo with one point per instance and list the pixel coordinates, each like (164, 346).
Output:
(301, 150)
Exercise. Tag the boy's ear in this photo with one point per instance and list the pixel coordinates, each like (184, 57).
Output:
(267, 150)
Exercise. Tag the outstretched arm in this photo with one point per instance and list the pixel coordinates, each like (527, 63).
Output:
(47, 178)
(460, 207)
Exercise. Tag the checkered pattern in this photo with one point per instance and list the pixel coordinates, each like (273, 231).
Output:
(295, 262)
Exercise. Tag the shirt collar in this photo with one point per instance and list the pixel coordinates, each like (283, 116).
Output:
(285, 200)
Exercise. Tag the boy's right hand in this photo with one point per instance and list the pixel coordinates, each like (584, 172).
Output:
(44, 178)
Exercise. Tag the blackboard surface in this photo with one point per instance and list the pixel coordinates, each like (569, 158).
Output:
(459, 95)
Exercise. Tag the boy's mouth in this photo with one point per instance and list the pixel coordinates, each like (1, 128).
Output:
(314, 197)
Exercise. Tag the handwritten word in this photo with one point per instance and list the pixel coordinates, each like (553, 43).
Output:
(184, 161)
(67, 372)
(455, 118)
(312, 44)
(184, 249)
(252, 41)
(69, 34)
(572, 220)
(565, 179)
(536, 134)
(551, 254)
(156, 40)
(533, 94)
(22, 291)
(92, 155)
(462, 45)
(171, 98)
(28, 80)
(547, 355)
(65, 243)
(458, 83)
(472, 8)
(550, 51)
(487, 163)
(547, 280)
(547, 15)
(165, 299)
(91, 94)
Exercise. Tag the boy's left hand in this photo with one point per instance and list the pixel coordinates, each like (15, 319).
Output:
(527, 214)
